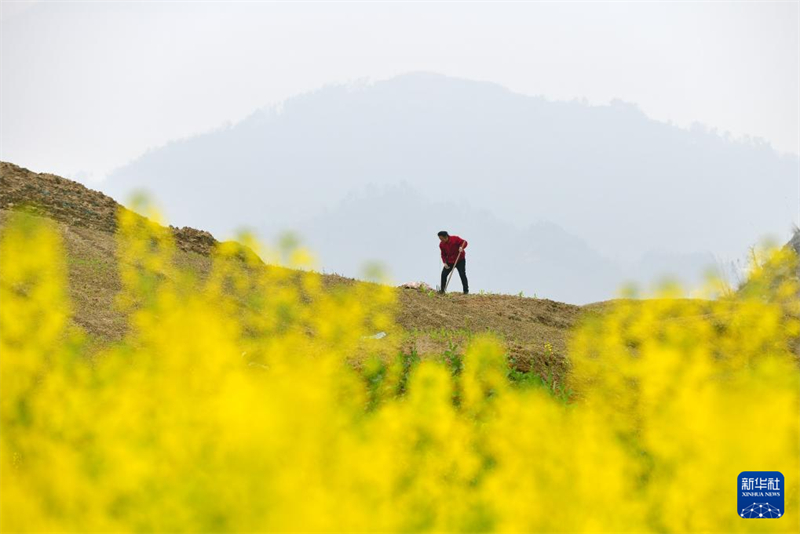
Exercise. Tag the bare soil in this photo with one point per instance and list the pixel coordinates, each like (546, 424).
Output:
(431, 323)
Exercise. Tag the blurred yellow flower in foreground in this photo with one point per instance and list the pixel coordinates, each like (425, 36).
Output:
(235, 405)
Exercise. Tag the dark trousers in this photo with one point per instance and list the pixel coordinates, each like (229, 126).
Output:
(462, 272)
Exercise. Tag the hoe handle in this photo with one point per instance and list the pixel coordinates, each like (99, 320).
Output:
(453, 268)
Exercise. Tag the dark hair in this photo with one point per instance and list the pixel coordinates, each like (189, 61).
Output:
(443, 234)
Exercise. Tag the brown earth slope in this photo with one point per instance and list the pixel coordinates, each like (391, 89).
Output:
(432, 323)
(75, 205)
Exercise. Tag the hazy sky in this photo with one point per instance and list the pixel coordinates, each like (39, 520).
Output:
(87, 86)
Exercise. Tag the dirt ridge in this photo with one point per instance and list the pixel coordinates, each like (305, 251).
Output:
(75, 204)
(534, 331)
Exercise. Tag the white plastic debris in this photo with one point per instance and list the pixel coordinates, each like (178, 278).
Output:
(379, 335)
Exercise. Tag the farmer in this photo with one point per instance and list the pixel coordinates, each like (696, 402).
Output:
(452, 248)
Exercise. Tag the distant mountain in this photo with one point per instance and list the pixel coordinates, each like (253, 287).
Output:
(398, 226)
(625, 184)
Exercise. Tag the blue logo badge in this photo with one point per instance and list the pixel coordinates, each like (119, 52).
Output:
(760, 494)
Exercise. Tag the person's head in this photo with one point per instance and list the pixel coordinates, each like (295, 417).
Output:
(444, 236)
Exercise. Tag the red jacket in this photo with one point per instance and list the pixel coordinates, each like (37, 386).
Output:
(449, 249)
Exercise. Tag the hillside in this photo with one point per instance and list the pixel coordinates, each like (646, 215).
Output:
(431, 323)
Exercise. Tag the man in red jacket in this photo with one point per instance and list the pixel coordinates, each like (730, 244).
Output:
(452, 247)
